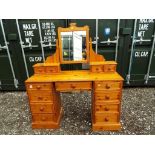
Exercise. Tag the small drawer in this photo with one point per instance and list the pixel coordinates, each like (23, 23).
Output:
(109, 68)
(52, 69)
(106, 96)
(106, 117)
(108, 85)
(39, 70)
(97, 68)
(107, 108)
(39, 86)
(69, 86)
(44, 117)
(42, 108)
(41, 96)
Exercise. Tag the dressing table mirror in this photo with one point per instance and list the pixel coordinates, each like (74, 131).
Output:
(74, 46)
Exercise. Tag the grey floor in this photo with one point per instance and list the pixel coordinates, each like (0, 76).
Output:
(138, 113)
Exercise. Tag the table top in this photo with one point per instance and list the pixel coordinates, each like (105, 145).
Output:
(82, 75)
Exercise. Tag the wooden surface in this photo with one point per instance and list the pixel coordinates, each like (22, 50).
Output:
(103, 63)
(94, 57)
(46, 64)
(75, 76)
(54, 58)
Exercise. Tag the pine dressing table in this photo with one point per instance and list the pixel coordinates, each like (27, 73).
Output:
(43, 88)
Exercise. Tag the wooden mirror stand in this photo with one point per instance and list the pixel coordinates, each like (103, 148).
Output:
(97, 62)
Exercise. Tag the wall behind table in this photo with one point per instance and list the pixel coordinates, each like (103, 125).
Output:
(129, 42)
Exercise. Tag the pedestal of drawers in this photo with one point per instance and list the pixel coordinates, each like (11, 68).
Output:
(44, 104)
(106, 105)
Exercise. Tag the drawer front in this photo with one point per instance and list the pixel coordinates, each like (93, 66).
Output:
(43, 117)
(39, 70)
(66, 86)
(39, 86)
(52, 69)
(109, 68)
(107, 108)
(97, 69)
(108, 85)
(42, 108)
(106, 96)
(107, 118)
(41, 96)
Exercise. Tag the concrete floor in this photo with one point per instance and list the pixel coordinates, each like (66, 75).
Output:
(138, 113)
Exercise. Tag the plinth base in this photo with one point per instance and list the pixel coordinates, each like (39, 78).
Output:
(106, 127)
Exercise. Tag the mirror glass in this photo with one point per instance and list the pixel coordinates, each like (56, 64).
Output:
(73, 45)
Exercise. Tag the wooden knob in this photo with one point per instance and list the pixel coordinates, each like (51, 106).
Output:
(43, 118)
(107, 97)
(106, 120)
(97, 69)
(107, 86)
(106, 109)
(38, 87)
(41, 108)
(72, 86)
(40, 98)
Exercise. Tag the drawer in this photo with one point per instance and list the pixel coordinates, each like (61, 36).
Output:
(109, 68)
(106, 96)
(44, 117)
(39, 86)
(42, 108)
(40, 96)
(108, 85)
(107, 108)
(52, 69)
(69, 86)
(97, 68)
(39, 70)
(106, 117)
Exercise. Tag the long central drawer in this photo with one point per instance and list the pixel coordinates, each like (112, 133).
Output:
(71, 86)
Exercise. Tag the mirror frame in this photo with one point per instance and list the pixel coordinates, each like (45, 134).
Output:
(72, 28)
